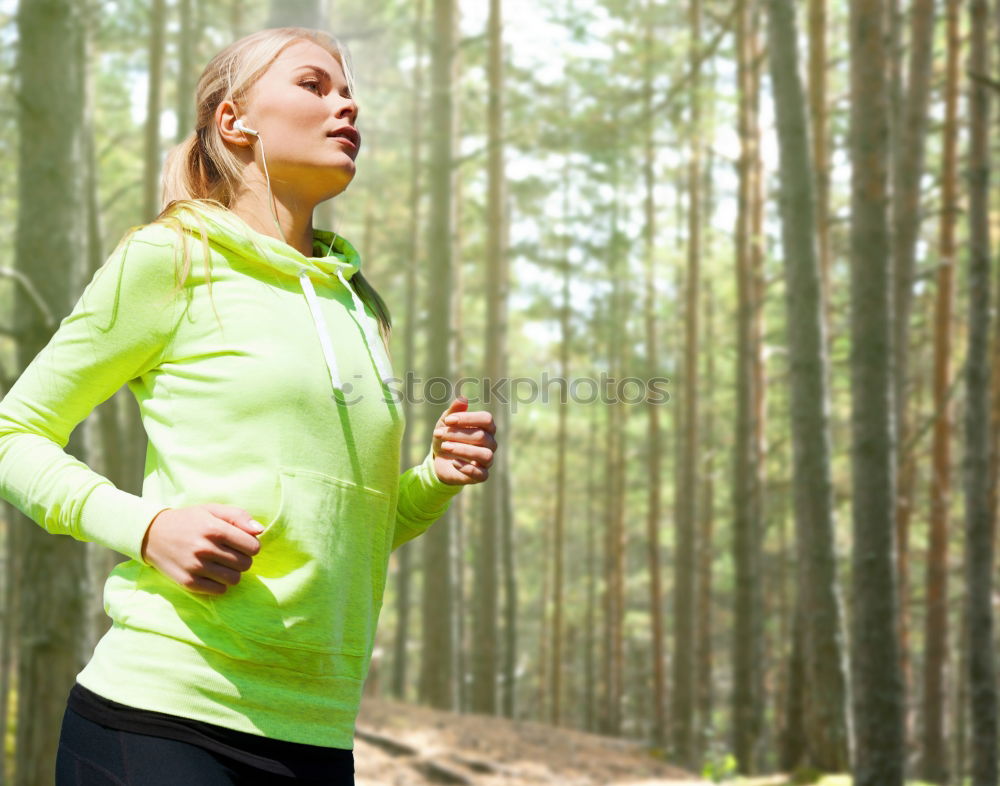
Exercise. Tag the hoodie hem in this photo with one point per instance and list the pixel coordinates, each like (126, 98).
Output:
(208, 686)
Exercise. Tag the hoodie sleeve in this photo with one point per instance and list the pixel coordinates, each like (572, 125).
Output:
(423, 499)
(116, 333)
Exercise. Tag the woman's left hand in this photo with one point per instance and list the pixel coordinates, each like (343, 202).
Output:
(463, 449)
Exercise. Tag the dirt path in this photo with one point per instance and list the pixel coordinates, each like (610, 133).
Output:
(402, 745)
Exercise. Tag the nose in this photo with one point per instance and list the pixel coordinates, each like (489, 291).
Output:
(347, 107)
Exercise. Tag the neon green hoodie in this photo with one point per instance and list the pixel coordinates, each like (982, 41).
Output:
(275, 402)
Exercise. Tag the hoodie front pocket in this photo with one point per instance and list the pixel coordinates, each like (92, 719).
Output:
(317, 581)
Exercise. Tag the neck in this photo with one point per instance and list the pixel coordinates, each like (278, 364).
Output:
(294, 215)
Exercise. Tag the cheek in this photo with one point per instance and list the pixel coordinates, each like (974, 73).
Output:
(295, 115)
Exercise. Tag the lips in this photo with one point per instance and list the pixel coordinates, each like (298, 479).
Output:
(349, 133)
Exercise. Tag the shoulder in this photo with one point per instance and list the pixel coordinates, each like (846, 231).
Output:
(143, 267)
(148, 252)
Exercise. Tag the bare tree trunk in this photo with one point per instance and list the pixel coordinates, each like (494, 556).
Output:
(407, 459)
(653, 514)
(747, 723)
(821, 159)
(590, 676)
(543, 622)
(878, 690)
(459, 508)
(706, 552)
(933, 762)
(511, 608)
(438, 659)
(505, 425)
(151, 165)
(908, 167)
(684, 646)
(50, 117)
(486, 641)
(827, 730)
(613, 666)
(565, 341)
(186, 73)
(979, 536)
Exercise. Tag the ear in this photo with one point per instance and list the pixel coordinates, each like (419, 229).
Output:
(225, 119)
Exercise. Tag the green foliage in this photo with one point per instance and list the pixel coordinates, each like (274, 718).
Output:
(719, 767)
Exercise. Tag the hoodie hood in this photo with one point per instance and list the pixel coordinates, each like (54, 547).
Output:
(335, 263)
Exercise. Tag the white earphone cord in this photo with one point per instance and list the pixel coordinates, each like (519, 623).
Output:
(307, 288)
(270, 196)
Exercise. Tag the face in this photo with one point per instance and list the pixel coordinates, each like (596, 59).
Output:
(297, 106)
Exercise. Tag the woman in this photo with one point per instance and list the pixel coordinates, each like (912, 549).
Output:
(244, 621)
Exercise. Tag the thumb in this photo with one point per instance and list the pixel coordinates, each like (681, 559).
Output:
(236, 516)
(459, 404)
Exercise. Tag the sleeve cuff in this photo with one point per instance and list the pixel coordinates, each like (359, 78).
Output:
(118, 520)
(434, 492)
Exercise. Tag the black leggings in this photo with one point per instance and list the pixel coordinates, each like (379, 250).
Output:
(94, 755)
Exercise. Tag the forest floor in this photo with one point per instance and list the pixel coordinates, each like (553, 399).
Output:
(399, 744)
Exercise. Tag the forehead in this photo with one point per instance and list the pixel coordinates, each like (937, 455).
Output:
(306, 53)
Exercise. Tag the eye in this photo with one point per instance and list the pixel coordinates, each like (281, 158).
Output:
(309, 84)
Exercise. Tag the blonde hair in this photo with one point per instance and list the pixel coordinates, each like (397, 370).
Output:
(202, 169)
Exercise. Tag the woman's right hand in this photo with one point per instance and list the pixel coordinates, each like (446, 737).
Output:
(204, 548)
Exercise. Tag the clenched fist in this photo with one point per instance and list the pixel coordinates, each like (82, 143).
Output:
(204, 548)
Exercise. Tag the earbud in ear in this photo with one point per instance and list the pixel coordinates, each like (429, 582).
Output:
(239, 126)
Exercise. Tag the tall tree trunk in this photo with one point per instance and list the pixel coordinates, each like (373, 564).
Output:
(820, 157)
(407, 458)
(186, 76)
(459, 507)
(505, 425)
(653, 514)
(706, 552)
(960, 744)
(558, 547)
(615, 525)
(486, 640)
(934, 761)
(684, 647)
(511, 609)
(827, 726)
(758, 298)
(151, 165)
(747, 723)
(50, 117)
(544, 618)
(979, 537)
(908, 167)
(589, 671)
(878, 690)
(437, 662)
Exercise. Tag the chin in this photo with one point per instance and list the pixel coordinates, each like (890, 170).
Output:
(336, 184)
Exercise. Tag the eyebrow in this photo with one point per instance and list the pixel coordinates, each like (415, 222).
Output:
(321, 71)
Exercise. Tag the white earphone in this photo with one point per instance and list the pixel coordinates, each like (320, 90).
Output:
(239, 126)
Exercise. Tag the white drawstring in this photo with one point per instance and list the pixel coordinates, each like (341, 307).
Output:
(374, 342)
(321, 331)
